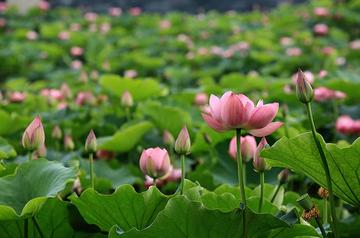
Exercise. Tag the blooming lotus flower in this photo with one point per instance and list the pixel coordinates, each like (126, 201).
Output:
(31, 35)
(34, 135)
(182, 143)
(90, 16)
(130, 73)
(248, 148)
(259, 163)
(76, 64)
(346, 125)
(355, 45)
(91, 144)
(323, 94)
(233, 111)
(155, 162)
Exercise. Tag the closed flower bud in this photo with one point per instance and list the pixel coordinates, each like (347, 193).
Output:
(68, 143)
(259, 163)
(168, 139)
(56, 133)
(248, 148)
(283, 176)
(182, 143)
(90, 144)
(304, 91)
(126, 99)
(34, 135)
(155, 162)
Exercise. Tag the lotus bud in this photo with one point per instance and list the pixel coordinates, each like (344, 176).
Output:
(68, 143)
(283, 176)
(34, 135)
(304, 91)
(155, 162)
(126, 99)
(248, 148)
(182, 143)
(259, 163)
(56, 133)
(168, 139)
(90, 144)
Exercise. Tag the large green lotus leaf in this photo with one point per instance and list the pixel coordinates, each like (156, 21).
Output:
(6, 150)
(166, 117)
(185, 218)
(300, 154)
(24, 192)
(125, 139)
(9, 123)
(53, 220)
(139, 89)
(125, 207)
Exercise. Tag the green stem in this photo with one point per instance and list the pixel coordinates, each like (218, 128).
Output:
(262, 180)
(127, 113)
(325, 216)
(91, 160)
(38, 227)
(244, 173)
(326, 169)
(30, 155)
(317, 219)
(276, 192)
(182, 173)
(26, 228)
(241, 179)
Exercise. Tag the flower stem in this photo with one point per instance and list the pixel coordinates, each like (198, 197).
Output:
(38, 227)
(127, 113)
(239, 167)
(182, 174)
(325, 216)
(26, 228)
(91, 160)
(326, 169)
(317, 219)
(244, 173)
(276, 192)
(262, 180)
(30, 155)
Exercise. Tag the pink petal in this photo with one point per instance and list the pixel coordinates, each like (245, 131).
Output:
(232, 111)
(215, 107)
(267, 130)
(263, 115)
(212, 122)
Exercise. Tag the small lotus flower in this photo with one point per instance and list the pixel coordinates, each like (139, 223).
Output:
(323, 94)
(355, 45)
(174, 175)
(126, 99)
(44, 5)
(321, 29)
(321, 12)
(233, 111)
(346, 125)
(149, 181)
(248, 148)
(17, 97)
(34, 135)
(2, 22)
(65, 90)
(75, 27)
(68, 143)
(91, 144)
(259, 162)
(130, 73)
(115, 11)
(201, 99)
(155, 162)
(64, 35)
(168, 138)
(76, 64)
(56, 133)
(90, 16)
(135, 11)
(304, 91)
(182, 143)
(76, 51)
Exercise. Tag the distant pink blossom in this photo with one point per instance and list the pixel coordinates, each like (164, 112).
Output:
(62, 106)
(90, 16)
(76, 51)
(64, 35)
(105, 27)
(76, 64)
(3, 6)
(323, 94)
(31, 35)
(286, 41)
(322, 74)
(165, 24)
(75, 27)
(135, 11)
(130, 73)
(346, 125)
(355, 45)
(321, 12)
(2, 22)
(328, 50)
(53, 94)
(293, 51)
(115, 11)
(83, 98)
(17, 97)
(201, 99)
(44, 5)
(321, 29)
(340, 61)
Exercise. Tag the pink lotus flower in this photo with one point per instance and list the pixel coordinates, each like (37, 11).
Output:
(346, 125)
(31, 35)
(90, 16)
(105, 27)
(248, 148)
(293, 51)
(323, 94)
(150, 182)
(174, 175)
(3, 6)
(17, 97)
(40, 152)
(44, 5)
(76, 64)
(130, 73)
(135, 11)
(62, 106)
(155, 162)
(52, 94)
(83, 98)
(321, 12)
(34, 135)
(321, 29)
(115, 11)
(328, 50)
(65, 90)
(355, 45)
(64, 35)
(201, 99)
(322, 74)
(259, 163)
(168, 138)
(76, 51)
(233, 111)
(309, 76)
(165, 24)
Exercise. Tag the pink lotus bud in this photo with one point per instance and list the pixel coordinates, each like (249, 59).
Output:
(105, 155)
(168, 139)
(76, 51)
(126, 99)
(322, 74)
(44, 5)
(17, 97)
(135, 11)
(56, 133)
(91, 144)
(65, 90)
(248, 148)
(83, 98)
(34, 135)
(182, 143)
(155, 162)
(304, 91)
(308, 75)
(259, 163)
(321, 12)
(31, 35)
(68, 143)
(328, 50)
(64, 35)
(115, 11)
(201, 99)
(321, 29)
